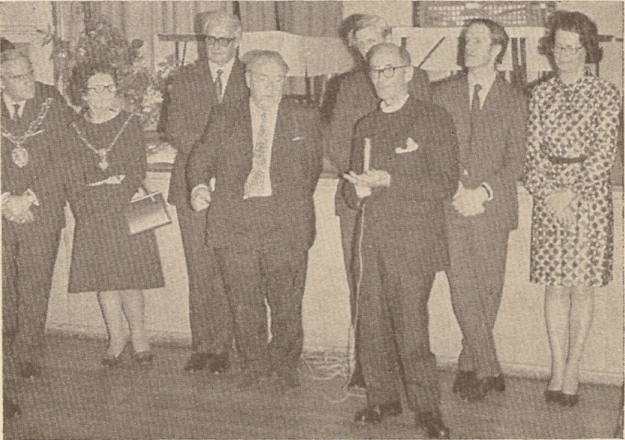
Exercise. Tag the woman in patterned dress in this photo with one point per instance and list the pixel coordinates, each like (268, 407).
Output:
(108, 168)
(572, 135)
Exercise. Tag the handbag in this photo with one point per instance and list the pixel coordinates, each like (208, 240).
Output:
(147, 212)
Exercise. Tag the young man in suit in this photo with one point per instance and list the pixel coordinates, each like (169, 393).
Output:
(266, 157)
(355, 98)
(490, 118)
(34, 120)
(196, 89)
(405, 154)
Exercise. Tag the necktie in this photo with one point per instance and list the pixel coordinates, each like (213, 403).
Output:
(255, 183)
(475, 101)
(219, 85)
(16, 112)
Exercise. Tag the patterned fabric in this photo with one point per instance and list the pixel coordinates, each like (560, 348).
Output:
(572, 134)
(258, 183)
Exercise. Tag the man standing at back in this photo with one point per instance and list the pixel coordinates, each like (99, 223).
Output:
(490, 119)
(196, 89)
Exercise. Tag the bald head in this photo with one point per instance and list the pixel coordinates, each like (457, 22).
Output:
(265, 74)
(390, 71)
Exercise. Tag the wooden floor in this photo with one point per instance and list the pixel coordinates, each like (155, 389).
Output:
(77, 398)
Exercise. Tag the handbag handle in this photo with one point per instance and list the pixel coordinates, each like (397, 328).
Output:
(147, 191)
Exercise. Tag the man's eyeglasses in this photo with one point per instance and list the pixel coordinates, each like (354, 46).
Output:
(221, 42)
(23, 77)
(572, 50)
(101, 88)
(388, 71)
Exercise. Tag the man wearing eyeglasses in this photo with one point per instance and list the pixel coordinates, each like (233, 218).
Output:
(34, 117)
(266, 157)
(490, 118)
(217, 77)
(403, 168)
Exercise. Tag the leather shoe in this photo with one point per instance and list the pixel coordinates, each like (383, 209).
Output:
(218, 363)
(433, 425)
(356, 380)
(374, 414)
(10, 409)
(463, 379)
(197, 362)
(29, 369)
(477, 389)
(552, 396)
(144, 358)
(569, 400)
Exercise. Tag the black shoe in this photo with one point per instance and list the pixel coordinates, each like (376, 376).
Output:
(218, 363)
(553, 396)
(569, 400)
(463, 378)
(29, 369)
(356, 380)
(432, 424)
(144, 358)
(497, 383)
(477, 389)
(376, 413)
(197, 362)
(10, 409)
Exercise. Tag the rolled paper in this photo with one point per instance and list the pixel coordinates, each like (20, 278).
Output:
(366, 156)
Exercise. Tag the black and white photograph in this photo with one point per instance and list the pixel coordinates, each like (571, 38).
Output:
(312, 219)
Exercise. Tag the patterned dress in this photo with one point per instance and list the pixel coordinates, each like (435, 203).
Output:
(572, 135)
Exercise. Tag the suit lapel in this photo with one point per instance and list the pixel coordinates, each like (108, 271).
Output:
(464, 119)
(281, 142)
(236, 82)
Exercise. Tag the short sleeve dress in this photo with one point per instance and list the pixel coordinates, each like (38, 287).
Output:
(105, 257)
(572, 136)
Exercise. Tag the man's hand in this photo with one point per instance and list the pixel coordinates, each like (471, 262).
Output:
(469, 202)
(200, 198)
(25, 217)
(14, 206)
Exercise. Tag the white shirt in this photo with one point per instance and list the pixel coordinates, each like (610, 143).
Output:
(485, 82)
(10, 103)
(226, 70)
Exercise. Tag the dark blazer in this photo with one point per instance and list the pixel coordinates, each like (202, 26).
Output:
(408, 215)
(225, 153)
(46, 173)
(192, 98)
(497, 154)
(355, 98)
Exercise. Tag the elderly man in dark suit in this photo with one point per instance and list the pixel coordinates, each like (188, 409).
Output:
(266, 158)
(490, 119)
(196, 89)
(34, 117)
(406, 156)
(355, 98)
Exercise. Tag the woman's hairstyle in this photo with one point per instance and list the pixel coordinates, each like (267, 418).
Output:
(573, 22)
(80, 78)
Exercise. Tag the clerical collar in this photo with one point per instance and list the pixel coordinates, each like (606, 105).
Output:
(9, 102)
(486, 81)
(393, 108)
(226, 69)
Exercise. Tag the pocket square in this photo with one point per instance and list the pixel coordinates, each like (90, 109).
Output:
(410, 147)
(297, 138)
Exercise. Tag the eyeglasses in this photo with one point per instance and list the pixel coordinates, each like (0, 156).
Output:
(572, 50)
(388, 71)
(221, 42)
(23, 77)
(101, 88)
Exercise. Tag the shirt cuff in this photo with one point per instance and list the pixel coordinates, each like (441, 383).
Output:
(32, 197)
(198, 187)
(489, 191)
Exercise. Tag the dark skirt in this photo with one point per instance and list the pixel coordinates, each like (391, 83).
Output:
(105, 257)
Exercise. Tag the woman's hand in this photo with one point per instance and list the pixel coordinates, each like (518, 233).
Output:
(558, 203)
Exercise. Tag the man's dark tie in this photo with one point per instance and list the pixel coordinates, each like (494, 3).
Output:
(475, 101)
(16, 112)
(475, 109)
(219, 85)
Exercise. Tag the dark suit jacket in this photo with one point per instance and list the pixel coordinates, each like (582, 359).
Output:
(192, 98)
(408, 215)
(356, 97)
(497, 153)
(225, 152)
(46, 173)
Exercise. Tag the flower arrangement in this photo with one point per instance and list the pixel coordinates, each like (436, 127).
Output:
(101, 43)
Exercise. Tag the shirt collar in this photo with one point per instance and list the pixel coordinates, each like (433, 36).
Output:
(256, 110)
(393, 108)
(485, 81)
(9, 102)
(226, 68)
